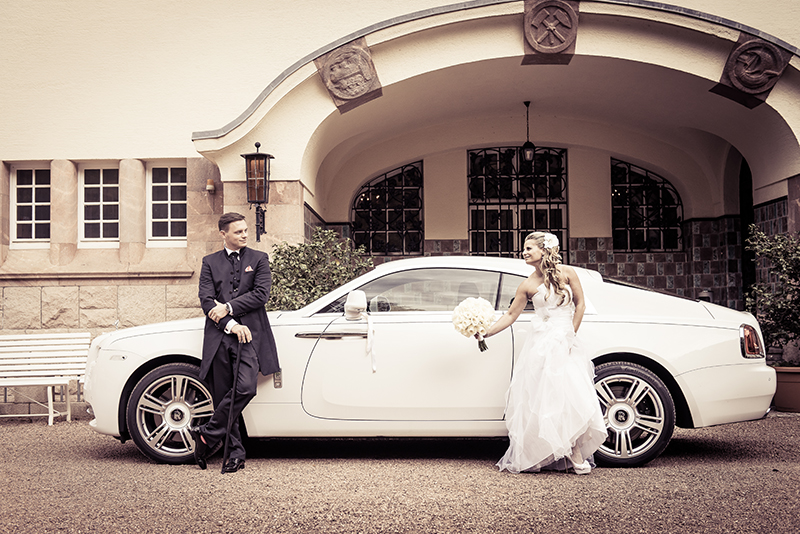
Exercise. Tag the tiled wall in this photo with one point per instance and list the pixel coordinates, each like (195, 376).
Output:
(711, 261)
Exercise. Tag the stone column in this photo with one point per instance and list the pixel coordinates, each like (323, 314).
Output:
(285, 217)
(5, 203)
(204, 208)
(133, 215)
(793, 220)
(63, 211)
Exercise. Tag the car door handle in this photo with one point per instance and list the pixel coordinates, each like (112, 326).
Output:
(331, 335)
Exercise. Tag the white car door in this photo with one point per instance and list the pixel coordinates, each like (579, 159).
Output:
(424, 369)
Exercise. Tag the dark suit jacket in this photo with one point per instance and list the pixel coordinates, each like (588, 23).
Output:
(216, 282)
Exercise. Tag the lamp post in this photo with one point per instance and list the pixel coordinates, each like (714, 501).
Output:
(256, 167)
(528, 148)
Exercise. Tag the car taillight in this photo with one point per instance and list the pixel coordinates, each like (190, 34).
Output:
(751, 342)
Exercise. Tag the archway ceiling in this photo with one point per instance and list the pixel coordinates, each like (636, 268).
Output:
(671, 106)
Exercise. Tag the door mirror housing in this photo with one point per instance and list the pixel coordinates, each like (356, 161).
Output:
(356, 305)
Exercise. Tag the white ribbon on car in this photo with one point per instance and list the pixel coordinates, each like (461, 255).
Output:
(371, 341)
(356, 308)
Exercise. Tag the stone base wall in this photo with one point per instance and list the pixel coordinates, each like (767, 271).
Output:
(94, 307)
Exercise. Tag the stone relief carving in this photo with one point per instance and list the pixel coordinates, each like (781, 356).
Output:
(349, 75)
(755, 66)
(752, 69)
(550, 28)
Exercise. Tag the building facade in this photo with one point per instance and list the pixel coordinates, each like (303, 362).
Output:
(660, 132)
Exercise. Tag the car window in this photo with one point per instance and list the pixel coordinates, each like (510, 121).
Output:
(508, 288)
(425, 290)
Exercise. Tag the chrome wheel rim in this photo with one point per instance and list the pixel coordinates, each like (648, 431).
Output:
(634, 415)
(166, 410)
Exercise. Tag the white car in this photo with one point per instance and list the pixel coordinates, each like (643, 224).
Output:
(403, 370)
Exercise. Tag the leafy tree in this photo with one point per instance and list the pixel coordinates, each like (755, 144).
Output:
(776, 302)
(303, 273)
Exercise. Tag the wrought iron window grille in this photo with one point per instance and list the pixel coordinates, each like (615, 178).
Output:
(387, 213)
(509, 198)
(647, 211)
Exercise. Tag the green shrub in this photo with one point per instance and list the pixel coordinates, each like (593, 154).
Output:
(303, 273)
(776, 304)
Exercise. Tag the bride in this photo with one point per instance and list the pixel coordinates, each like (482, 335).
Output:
(552, 413)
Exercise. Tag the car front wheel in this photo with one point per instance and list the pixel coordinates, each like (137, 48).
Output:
(638, 411)
(164, 404)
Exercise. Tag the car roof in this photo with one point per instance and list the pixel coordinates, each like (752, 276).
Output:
(508, 265)
(475, 262)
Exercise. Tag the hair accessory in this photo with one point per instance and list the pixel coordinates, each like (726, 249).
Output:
(550, 240)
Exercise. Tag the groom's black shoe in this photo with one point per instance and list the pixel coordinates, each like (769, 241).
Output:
(200, 447)
(233, 465)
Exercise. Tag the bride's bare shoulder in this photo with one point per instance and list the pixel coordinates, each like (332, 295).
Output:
(530, 285)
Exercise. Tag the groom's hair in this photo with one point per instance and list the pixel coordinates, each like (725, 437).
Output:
(227, 218)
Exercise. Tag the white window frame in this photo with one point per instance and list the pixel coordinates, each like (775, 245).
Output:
(33, 242)
(94, 242)
(160, 241)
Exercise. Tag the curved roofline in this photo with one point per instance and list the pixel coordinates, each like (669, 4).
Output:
(463, 6)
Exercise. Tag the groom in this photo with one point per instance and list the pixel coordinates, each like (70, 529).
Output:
(234, 288)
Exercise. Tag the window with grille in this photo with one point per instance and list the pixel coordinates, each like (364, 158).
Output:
(100, 204)
(168, 203)
(509, 198)
(646, 210)
(31, 211)
(387, 213)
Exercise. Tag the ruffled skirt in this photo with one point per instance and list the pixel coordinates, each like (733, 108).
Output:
(552, 410)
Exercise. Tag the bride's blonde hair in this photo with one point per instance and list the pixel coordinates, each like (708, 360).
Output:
(551, 257)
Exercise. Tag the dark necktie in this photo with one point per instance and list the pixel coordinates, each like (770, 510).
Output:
(234, 258)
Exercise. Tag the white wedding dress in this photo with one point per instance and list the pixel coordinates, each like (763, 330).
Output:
(552, 410)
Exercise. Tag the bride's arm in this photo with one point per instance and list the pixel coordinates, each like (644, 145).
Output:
(520, 299)
(577, 295)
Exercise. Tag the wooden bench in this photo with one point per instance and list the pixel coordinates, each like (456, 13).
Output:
(43, 360)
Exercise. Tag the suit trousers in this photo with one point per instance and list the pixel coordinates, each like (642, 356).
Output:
(220, 380)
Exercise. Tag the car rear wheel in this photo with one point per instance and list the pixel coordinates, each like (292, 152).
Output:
(164, 404)
(639, 414)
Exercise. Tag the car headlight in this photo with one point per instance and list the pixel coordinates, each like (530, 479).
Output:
(750, 341)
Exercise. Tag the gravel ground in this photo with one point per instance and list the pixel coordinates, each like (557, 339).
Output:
(68, 479)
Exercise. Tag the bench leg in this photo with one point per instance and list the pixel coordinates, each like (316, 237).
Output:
(69, 407)
(50, 405)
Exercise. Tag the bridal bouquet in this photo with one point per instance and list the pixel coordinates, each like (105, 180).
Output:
(474, 316)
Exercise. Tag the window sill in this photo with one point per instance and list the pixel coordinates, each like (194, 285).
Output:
(88, 275)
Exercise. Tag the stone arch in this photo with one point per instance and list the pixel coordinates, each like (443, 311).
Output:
(638, 87)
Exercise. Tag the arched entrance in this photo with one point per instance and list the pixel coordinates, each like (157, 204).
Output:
(638, 88)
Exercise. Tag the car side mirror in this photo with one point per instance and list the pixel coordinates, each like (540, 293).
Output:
(355, 305)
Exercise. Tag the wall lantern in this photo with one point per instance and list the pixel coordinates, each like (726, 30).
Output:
(528, 148)
(256, 167)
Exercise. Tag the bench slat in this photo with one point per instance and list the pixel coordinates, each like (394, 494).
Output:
(42, 372)
(53, 369)
(61, 335)
(37, 381)
(32, 356)
(42, 346)
(44, 358)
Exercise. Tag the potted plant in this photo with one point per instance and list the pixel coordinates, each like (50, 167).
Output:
(776, 304)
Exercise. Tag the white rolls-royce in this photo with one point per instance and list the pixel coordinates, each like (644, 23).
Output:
(401, 369)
